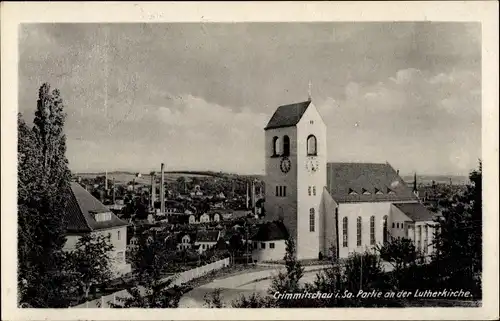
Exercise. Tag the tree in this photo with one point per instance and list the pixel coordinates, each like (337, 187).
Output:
(399, 252)
(214, 299)
(458, 243)
(43, 186)
(91, 262)
(154, 289)
(288, 281)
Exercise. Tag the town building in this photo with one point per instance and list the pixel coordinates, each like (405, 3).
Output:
(206, 240)
(85, 214)
(268, 244)
(342, 206)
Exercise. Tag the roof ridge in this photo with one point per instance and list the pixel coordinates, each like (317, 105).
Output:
(78, 204)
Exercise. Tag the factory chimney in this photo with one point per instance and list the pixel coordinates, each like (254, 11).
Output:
(114, 195)
(253, 195)
(153, 190)
(162, 189)
(247, 198)
(106, 182)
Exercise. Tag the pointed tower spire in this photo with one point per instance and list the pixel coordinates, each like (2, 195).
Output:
(414, 182)
(309, 91)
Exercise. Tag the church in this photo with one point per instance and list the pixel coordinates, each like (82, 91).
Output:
(347, 207)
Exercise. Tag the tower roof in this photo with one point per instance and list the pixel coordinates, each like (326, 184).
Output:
(366, 182)
(287, 115)
(81, 209)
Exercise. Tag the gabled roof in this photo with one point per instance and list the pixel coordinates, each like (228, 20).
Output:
(207, 236)
(271, 231)
(416, 211)
(287, 115)
(81, 209)
(366, 182)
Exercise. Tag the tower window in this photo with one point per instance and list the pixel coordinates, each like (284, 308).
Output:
(311, 145)
(284, 191)
(277, 190)
(344, 232)
(314, 190)
(276, 146)
(372, 230)
(286, 146)
(358, 239)
(309, 190)
(311, 220)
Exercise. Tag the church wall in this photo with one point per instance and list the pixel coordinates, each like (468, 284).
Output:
(328, 234)
(365, 210)
(308, 243)
(398, 217)
(275, 177)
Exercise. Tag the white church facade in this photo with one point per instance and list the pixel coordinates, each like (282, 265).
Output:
(348, 207)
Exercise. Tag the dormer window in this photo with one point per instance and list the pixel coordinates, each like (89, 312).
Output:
(390, 192)
(352, 192)
(311, 146)
(365, 192)
(276, 146)
(101, 217)
(286, 146)
(378, 192)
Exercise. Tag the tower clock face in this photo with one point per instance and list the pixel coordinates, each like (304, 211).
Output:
(312, 165)
(285, 165)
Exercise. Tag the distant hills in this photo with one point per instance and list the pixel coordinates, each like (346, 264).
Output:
(439, 179)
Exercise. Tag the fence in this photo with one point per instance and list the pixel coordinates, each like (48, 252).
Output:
(178, 279)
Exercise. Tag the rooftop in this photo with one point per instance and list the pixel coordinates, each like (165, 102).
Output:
(416, 211)
(366, 182)
(81, 210)
(287, 115)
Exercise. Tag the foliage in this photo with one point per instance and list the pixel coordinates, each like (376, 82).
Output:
(43, 186)
(459, 241)
(255, 300)
(288, 281)
(91, 261)
(154, 289)
(214, 299)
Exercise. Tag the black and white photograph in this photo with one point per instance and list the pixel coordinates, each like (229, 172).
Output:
(235, 165)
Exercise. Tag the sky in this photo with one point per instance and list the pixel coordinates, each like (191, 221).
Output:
(198, 96)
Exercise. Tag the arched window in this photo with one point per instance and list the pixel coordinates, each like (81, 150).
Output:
(276, 146)
(311, 145)
(358, 238)
(384, 230)
(286, 146)
(311, 220)
(372, 230)
(344, 232)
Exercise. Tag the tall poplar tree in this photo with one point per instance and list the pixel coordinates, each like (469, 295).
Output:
(43, 187)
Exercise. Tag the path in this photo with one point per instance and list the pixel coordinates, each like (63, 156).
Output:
(243, 284)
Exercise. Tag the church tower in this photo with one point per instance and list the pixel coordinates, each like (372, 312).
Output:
(295, 151)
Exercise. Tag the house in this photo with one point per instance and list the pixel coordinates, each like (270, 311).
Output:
(204, 218)
(185, 241)
(206, 239)
(85, 214)
(415, 222)
(268, 242)
(324, 205)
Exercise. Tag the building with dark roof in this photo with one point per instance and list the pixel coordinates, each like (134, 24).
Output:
(322, 204)
(206, 239)
(86, 214)
(268, 241)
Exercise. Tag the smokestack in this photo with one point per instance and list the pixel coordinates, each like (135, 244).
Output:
(106, 182)
(162, 189)
(153, 190)
(253, 194)
(114, 195)
(247, 197)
